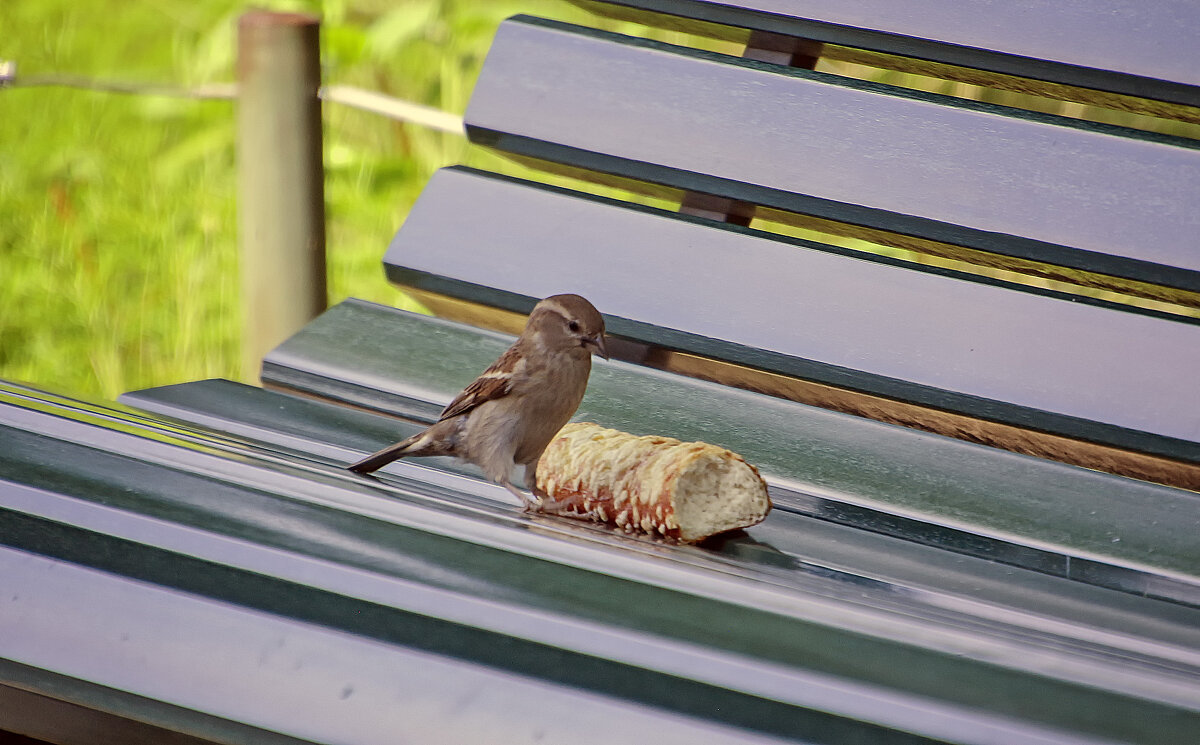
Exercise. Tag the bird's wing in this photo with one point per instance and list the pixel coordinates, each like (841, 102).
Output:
(493, 383)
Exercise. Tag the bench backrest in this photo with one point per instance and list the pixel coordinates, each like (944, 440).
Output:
(1098, 371)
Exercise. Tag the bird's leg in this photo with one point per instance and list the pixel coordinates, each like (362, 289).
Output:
(530, 502)
(544, 502)
(573, 505)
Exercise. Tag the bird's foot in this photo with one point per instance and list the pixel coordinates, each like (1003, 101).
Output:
(540, 501)
(529, 501)
(573, 506)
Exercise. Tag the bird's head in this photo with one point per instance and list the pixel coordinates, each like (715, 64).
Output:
(568, 322)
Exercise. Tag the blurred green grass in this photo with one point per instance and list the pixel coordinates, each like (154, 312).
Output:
(118, 245)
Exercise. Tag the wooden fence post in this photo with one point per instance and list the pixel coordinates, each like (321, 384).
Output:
(281, 194)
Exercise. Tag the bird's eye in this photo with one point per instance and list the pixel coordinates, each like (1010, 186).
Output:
(574, 326)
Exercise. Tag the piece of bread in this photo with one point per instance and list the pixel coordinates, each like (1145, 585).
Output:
(683, 490)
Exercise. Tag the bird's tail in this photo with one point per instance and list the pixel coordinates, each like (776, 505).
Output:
(428, 442)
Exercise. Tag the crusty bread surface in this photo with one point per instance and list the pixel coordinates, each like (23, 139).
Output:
(682, 490)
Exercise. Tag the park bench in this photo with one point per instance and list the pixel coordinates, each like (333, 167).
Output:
(960, 340)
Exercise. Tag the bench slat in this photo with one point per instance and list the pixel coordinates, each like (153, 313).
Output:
(1036, 187)
(1035, 360)
(970, 498)
(1144, 49)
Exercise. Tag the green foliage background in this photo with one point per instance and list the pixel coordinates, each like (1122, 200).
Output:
(118, 239)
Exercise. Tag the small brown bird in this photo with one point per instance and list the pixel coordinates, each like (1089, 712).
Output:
(509, 414)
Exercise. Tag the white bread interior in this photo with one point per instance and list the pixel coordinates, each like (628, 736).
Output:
(715, 493)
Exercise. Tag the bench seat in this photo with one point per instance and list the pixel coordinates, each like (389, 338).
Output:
(331, 590)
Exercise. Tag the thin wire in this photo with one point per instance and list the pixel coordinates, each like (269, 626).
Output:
(209, 91)
(344, 95)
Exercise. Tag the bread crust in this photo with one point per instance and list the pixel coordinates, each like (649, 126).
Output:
(657, 485)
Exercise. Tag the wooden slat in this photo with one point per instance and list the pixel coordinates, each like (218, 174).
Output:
(1143, 49)
(1036, 360)
(1080, 195)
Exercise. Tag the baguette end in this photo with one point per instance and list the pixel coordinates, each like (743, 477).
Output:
(656, 485)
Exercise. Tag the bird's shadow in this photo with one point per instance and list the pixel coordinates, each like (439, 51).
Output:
(740, 545)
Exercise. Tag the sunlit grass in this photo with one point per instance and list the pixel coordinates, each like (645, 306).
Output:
(118, 244)
(112, 269)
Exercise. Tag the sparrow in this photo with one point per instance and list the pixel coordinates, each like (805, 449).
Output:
(512, 411)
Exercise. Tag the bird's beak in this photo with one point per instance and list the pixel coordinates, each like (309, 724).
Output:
(597, 344)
